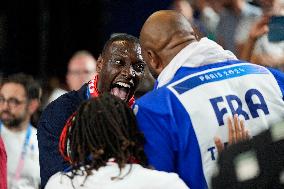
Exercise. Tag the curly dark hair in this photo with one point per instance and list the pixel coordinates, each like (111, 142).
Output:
(104, 127)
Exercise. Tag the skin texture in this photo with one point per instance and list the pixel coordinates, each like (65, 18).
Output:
(121, 62)
(81, 69)
(236, 133)
(163, 35)
(15, 118)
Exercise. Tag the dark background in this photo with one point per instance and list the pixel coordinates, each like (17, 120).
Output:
(39, 36)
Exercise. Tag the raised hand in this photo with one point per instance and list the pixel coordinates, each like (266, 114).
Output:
(237, 132)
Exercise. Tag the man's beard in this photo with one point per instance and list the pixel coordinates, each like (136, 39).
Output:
(12, 121)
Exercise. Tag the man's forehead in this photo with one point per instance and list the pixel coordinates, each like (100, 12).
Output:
(123, 45)
(12, 90)
(125, 49)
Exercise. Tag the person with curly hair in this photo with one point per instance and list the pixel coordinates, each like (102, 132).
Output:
(104, 146)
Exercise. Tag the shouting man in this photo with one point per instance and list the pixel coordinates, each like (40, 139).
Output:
(119, 70)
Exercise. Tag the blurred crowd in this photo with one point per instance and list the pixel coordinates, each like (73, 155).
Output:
(252, 30)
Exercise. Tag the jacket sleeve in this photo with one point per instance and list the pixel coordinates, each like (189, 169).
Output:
(50, 127)
(279, 77)
(155, 121)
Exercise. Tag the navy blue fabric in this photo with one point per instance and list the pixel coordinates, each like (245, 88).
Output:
(50, 127)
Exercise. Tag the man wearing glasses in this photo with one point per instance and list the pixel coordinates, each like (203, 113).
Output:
(19, 99)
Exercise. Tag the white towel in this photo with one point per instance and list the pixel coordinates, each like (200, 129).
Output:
(199, 53)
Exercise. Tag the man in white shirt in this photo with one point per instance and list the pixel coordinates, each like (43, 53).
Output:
(19, 99)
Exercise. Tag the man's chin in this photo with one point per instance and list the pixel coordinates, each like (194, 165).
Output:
(11, 123)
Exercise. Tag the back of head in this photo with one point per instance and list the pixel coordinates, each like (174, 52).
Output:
(164, 34)
(164, 29)
(104, 127)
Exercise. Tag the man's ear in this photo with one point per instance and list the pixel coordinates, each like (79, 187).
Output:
(99, 64)
(33, 106)
(155, 61)
(197, 33)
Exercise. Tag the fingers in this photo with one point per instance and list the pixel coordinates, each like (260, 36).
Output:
(247, 136)
(237, 131)
(231, 131)
(243, 131)
(219, 144)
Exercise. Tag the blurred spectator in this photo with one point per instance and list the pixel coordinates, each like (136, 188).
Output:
(107, 151)
(3, 166)
(259, 49)
(53, 90)
(185, 8)
(19, 99)
(258, 163)
(209, 16)
(235, 19)
(81, 69)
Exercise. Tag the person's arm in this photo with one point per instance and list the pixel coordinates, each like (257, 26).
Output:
(279, 77)
(158, 147)
(258, 29)
(269, 60)
(50, 127)
(171, 143)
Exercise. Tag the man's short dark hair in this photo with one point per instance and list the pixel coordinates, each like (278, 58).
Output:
(31, 86)
(120, 37)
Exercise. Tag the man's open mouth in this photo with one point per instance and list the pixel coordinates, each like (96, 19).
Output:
(121, 90)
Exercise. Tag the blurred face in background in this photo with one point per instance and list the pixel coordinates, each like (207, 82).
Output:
(81, 69)
(266, 3)
(13, 105)
(272, 7)
(184, 7)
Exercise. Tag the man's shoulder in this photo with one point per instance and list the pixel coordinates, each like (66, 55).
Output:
(159, 94)
(65, 104)
(62, 102)
(155, 96)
